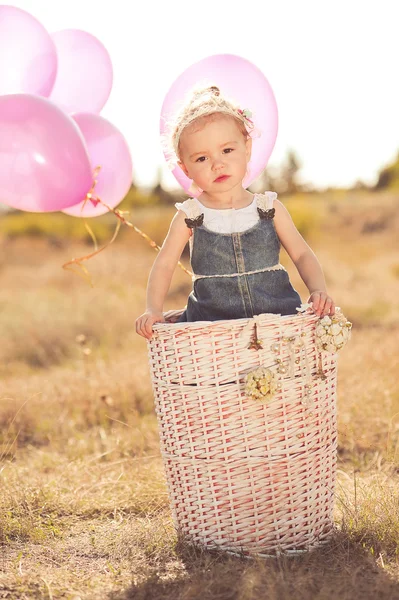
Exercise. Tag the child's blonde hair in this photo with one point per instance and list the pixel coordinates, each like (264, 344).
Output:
(203, 103)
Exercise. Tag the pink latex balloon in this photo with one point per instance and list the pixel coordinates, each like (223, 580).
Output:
(108, 149)
(28, 58)
(84, 75)
(44, 165)
(242, 82)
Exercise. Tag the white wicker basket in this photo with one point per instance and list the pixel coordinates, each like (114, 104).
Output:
(247, 477)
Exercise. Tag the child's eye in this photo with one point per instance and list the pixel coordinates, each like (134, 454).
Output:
(228, 150)
(200, 159)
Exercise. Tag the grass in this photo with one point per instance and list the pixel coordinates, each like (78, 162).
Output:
(57, 227)
(84, 511)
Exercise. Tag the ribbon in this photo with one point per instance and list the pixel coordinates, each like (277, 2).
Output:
(94, 199)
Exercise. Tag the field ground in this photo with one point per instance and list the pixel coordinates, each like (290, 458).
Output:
(83, 505)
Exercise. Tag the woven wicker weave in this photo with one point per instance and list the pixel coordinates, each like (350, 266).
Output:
(247, 477)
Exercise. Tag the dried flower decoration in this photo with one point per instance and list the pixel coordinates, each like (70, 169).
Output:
(332, 333)
(261, 385)
(246, 114)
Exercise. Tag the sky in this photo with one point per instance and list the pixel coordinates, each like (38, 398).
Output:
(332, 67)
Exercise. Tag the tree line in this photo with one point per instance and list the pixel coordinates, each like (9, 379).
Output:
(285, 180)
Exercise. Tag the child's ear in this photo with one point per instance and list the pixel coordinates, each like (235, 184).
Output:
(248, 145)
(183, 167)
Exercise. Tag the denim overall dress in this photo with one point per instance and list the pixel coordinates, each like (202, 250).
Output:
(238, 275)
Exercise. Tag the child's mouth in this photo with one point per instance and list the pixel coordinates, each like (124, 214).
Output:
(221, 178)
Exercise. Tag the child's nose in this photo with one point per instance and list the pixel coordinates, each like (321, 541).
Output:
(217, 163)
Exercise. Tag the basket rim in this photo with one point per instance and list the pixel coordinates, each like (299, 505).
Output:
(263, 317)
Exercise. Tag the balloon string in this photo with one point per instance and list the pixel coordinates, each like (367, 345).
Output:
(68, 266)
(91, 234)
(121, 219)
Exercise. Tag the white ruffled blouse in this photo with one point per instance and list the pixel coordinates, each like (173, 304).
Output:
(228, 220)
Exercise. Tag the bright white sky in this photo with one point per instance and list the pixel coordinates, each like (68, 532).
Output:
(332, 66)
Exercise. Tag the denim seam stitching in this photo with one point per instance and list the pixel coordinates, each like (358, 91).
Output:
(243, 281)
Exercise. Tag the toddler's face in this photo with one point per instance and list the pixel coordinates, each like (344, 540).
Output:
(215, 153)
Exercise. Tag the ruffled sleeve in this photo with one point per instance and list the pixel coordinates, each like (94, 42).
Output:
(190, 207)
(265, 201)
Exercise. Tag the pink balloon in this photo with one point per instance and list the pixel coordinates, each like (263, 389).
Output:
(28, 58)
(241, 81)
(44, 165)
(108, 149)
(84, 75)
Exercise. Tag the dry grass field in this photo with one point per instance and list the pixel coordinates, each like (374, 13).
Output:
(83, 504)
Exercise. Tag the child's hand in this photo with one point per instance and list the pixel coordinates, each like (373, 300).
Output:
(323, 304)
(145, 322)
